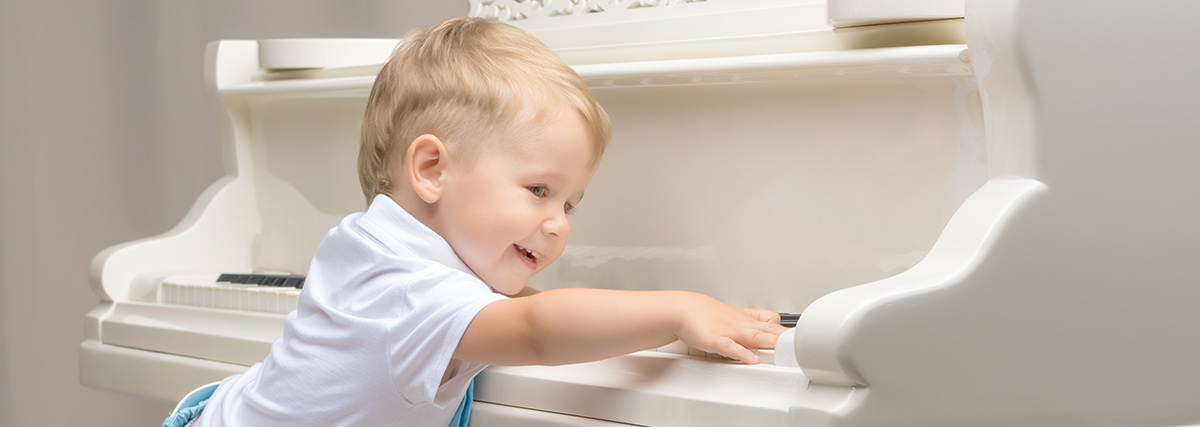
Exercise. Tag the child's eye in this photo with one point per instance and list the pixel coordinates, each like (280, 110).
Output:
(537, 190)
(568, 208)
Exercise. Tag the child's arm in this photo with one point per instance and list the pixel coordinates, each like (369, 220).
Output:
(581, 325)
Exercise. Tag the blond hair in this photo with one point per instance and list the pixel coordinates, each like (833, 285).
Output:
(462, 81)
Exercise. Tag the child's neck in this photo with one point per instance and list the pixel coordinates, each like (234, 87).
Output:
(419, 209)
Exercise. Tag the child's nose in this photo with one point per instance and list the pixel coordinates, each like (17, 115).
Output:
(557, 225)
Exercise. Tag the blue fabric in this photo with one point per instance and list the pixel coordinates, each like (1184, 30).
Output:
(463, 415)
(191, 405)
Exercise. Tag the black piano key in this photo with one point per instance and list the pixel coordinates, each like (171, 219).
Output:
(263, 280)
(788, 319)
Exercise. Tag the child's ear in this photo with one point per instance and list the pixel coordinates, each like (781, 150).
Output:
(426, 158)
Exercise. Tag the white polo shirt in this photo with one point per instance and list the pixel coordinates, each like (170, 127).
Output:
(384, 306)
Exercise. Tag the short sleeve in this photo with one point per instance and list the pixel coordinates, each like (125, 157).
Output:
(436, 307)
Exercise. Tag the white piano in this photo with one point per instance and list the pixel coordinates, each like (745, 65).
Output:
(988, 214)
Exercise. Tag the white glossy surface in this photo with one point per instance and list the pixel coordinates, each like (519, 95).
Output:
(785, 349)
(492, 415)
(286, 54)
(1078, 307)
(615, 31)
(773, 194)
(851, 13)
(965, 243)
(147, 373)
(651, 388)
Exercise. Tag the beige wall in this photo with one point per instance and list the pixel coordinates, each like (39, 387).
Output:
(105, 137)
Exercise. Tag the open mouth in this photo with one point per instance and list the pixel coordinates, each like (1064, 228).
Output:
(529, 255)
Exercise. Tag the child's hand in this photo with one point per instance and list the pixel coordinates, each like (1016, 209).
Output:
(712, 326)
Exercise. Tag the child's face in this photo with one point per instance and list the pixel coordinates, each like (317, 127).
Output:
(505, 214)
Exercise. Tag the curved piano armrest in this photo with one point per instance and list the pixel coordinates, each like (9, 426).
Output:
(833, 324)
(217, 234)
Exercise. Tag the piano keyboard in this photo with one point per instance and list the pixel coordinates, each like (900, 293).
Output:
(262, 293)
(271, 293)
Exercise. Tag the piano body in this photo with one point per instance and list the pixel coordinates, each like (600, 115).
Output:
(986, 218)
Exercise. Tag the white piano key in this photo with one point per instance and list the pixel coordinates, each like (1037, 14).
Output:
(205, 291)
(260, 300)
(679, 347)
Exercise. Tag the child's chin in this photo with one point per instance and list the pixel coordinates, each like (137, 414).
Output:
(509, 290)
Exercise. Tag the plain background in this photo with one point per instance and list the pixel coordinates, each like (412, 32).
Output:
(105, 137)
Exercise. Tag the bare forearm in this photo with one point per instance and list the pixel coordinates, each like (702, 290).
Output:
(580, 325)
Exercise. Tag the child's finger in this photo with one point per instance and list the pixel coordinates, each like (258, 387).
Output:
(731, 349)
(757, 338)
(763, 315)
(772, 328)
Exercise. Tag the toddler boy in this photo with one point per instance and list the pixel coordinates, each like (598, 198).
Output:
(477, 143)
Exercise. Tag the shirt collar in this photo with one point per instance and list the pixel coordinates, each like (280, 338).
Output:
(397, 229)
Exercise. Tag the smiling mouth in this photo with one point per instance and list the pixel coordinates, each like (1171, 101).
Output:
(530, 256)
